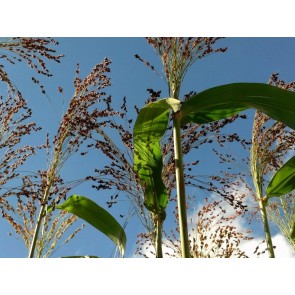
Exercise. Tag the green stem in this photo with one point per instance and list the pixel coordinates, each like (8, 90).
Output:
(39, 221)
(268, 238)
(159, 252)
(258, 163)
(36, 232)
(180, 187)
(158, 225)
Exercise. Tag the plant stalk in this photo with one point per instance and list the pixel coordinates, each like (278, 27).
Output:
(180, 187)
(262, 207)
(52, 173)
(258, 163)
(159, 252)
(39, 220)
(36, 232)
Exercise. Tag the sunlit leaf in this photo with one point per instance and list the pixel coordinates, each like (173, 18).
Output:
(283, 181)
(224, 101)
(150, 126)
(98, 217)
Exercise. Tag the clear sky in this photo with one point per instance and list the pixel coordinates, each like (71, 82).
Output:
(247, 60)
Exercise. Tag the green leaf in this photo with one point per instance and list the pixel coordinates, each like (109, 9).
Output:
(98, 217)
(149, 128)
(283, 181)
(226, 100)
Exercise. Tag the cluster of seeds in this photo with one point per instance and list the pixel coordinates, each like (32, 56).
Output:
(24, 193)
(178, 54)
(36, 52)
(213, 234)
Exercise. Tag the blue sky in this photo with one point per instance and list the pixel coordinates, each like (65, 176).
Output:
(247, 60)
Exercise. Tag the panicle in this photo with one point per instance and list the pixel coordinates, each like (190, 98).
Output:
(34, 51)
(179, 54)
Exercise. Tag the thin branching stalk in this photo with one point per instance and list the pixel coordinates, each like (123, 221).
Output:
(281, 211)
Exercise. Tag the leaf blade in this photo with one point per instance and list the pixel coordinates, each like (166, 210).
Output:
(283, 181)
(98, 217)
(223, 101)
(149, 128)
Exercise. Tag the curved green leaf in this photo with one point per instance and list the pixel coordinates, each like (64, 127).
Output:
(98, 217)
(226, 100)
(149, 128)
(283, 181)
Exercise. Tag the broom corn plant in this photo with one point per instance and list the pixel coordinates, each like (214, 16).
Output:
(210, 105)
(151, 163)
(41, 192)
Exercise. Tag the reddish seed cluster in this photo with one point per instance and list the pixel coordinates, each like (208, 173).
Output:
(178, 54)
(36, 52)
(20, 205)
(14, 115)
(14, 126)
(80, 120)
(271, 140)
(212, 235)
